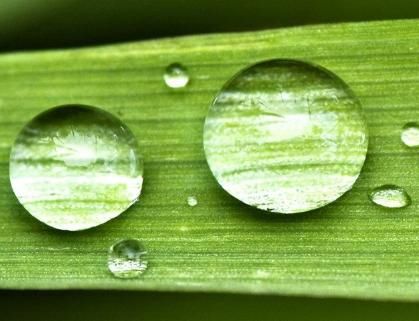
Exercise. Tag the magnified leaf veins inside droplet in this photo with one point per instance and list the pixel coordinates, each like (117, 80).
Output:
(74, 167)
(126, 259)
(286, 136)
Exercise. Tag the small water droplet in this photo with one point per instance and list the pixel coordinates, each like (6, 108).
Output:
(410, 134)
(75, 167)
(176, 76)
(391, 196)
(126, 259)
(262, 274)
(286, 136)
(183, 228)
(192, 201)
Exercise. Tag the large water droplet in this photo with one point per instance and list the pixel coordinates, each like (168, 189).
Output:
(286, 136)
(192, 201)
(126, 259)
(176, 76)
(391, 196)
(75, 167)
(410, 134)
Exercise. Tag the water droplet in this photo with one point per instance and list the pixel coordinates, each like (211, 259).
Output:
(176, 76)
(391, 196)
(286, 136)
(74, 167)
(192, 201)
(410, 134)
(126, 259)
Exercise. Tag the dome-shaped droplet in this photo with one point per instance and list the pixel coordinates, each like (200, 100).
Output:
(391, 196)
(75, 167)
(126, 259)
(286, 136)
(410, 134)
(176, 76)
(192, 201)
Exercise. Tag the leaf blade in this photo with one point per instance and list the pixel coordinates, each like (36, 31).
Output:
(349, 248)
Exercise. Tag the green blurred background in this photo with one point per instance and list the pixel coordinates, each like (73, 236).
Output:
(39, 24)
(33, 24)
(131, 306)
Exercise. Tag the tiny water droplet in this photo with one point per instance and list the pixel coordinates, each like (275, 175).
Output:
(74, 167)
(410, 134)
(192, 201)
(391, 196)
(286, 136)
(126, 259)
(176, 76)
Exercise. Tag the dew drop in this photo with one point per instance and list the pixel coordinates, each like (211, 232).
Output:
(126, 259)
(192, 201)
(410, 134)
(390, 196)
(74, 167)
(176, 76)
(286, 136)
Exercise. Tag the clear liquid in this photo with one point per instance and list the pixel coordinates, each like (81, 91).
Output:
(286, 136)
(75, 167)
(176, 76)
(390, 196)
(126, 259)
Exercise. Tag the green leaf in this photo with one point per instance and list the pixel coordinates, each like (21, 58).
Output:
(350, 248)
